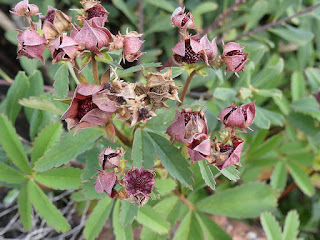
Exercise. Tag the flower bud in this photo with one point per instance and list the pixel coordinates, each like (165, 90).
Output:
(31, 44)
(210, 49)
(238, 116)
(199, 147)
(234, 58)
(139, 184)
(93, 9)
(110, 158)
(182, 20)
(63, 48)
(23, 8)
(131, 46)
(106, 182)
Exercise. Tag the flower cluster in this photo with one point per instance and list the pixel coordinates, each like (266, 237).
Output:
(190, 128)
(192, 49)
(89, 35)
(138, 183)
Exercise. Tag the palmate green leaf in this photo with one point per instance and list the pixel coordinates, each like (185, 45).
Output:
(169, 208)
(67, 149)
(297, 86)
(279, 176)
(137, 68)
(165, 186)
(61, 81)
(161, 23)
(12, 146)
(211, 230)
(257, 11)
(294, 35)
(203, 8)
(128, 213)
(270, 226)
(266, 147)
(45, 139)
(172, 159)
(225, 94)
(307, 105)
(46, 209)
(143, 151)
(97, 218)
(16, 91)
(147, 234)
(89, 192)
(10, 175)
(189, 228)
(259, 196)
(25, 207)
(60, 178)
(305, 123)
(120, 232)
(269, 92)
(301, 179)
(291, 226)
(264, 118)
(207, 175)
(45, 103)
(146, 217)
(313, 77)
(231, 173)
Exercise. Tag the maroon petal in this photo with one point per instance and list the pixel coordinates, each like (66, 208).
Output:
(232, 46)
(72, 111)
(180, 48)
(103, 102)
(195, 45)
(177, 128)
(105, 182)
(87, 89)
(234, 158)
(96, 117)
(131, 45)
(236, 119)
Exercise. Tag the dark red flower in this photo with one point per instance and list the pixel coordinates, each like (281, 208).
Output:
(210, 49)
(186, 124)
(139, 185)
(187, 50)
(182, 20)
(90, 107)
(238, 116)
(234, 58)
(63, 48)
(227, 154)
(199, 147)
(93, 9)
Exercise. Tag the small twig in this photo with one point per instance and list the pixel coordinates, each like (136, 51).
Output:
(219, 20)
(95, 69)
(127, 141)
(293, 186)
(184, 200)
(188, 81)
(280, 21)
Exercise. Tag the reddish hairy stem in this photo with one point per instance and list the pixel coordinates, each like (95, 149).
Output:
(95, 69)
(184, 200)
(123, 138)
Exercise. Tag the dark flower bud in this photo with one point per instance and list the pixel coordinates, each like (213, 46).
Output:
(234, 58)
(182, 20)
(31, 44)
(238, 116)
(23, 8)
(63, 48)
(139, 184)
(110, 158)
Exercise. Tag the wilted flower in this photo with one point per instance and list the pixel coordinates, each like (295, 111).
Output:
(181, 19)
(23, 8)
(199, 147)
(63, 48)
(139, 185)
(227, 154)
(234, 58)
(94, 9)
(140, 112)
(131, 46)
(161, 87)
(186, 124)
(110, 158)
(90, 106)
(210, 49)
(187, 50)
(92, 36)
(54, 23)
(238, 116)
(105, 182)
(31, 44)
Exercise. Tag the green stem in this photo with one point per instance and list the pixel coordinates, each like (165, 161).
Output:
(95, 69)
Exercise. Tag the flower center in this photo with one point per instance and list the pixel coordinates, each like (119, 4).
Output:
(225, 147)
(140, 181)
(96, 11)
(190, 56)
(85, 106)
(234, 52)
